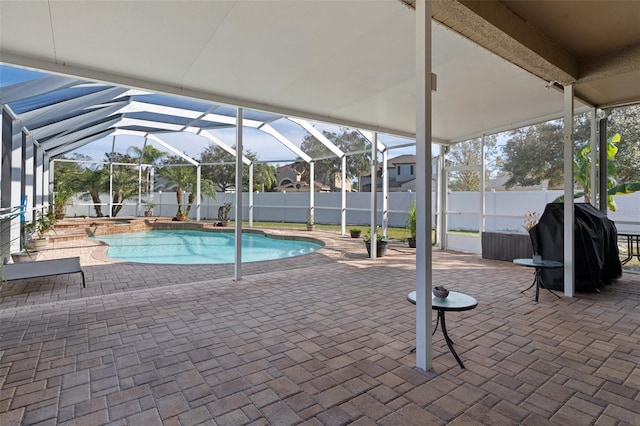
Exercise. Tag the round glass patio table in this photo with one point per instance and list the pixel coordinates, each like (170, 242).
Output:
(455, 301)
(537, 275)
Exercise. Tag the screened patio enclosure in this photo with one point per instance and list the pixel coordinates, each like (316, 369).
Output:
(361, 64)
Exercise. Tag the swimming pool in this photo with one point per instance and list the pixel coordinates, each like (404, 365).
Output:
(198, 247)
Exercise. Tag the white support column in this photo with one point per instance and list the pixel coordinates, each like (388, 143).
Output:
(251, 195)
(47, 181)
(238, 212)
(28, 175)
(441, 226)
(38, 175)
(385, 192)
(15, 192)
(374, 196)
(483, 168)
(569, 278)
(424, 356)
(593, 143)
(198, 190)
(312, 200)
(139, 207)
(343, 202)
(113, 146)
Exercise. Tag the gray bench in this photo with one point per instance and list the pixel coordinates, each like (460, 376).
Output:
(43, 268)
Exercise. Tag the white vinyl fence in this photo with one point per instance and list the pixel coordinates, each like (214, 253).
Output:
(504, 210)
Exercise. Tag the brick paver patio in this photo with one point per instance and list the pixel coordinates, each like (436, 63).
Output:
(322, 339)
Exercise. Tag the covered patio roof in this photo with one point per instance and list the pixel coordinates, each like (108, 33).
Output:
(353, 64)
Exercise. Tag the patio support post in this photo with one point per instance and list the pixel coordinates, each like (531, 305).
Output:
(343, 201)
(238, 209)
(28, 171)
(251, 195)
(113, 146)
(139, 207)
(603, 163)
(374, 196)
(441, 226)
(593, 142)
(569, 282)
(12, 190)
(198, 190)
(424, 356)
(311, 219)
(385, 192)
(47, 182)
(39, 175)
(483, 168)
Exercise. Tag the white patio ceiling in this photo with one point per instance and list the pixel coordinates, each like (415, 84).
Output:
(342, 61)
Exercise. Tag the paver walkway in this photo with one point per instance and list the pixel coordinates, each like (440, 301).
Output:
(322, 339)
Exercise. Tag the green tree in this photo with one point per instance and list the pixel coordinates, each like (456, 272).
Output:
(124, 179)
(223, 174)
(325, 169)
(469, 153)
(535, 153)
(185, 178)
(626, 122)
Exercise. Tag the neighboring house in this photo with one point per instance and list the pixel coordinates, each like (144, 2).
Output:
(401, 171)
(290, 179)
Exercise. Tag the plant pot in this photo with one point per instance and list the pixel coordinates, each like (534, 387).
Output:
(381, 248)
(148, 213)
(179, 217)
(441, 294)
(355, 234)
(24, 256)
(38, 243)
(412, 242)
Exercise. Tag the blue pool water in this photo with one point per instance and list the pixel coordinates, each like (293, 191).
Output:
(196, 247)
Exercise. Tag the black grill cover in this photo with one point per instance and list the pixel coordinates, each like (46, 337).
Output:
(595, 246)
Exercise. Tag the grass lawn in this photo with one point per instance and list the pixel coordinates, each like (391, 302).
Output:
(393, 233)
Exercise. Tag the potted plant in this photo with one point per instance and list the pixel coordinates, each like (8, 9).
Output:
(24, 256)
(355, 232)
(223, 214)
(311, 226)
(38, 229)
(149, 211)
(440, 292)
(381, 243)
(411, 225)
(61, 199)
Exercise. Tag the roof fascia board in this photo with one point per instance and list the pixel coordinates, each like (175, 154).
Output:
(286, 142)
(156, 87)
(79, 134)
(318, 135)
(37, 87)
(76, 122)
(494, 26)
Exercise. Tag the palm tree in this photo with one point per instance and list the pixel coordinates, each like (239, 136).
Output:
(148, 155)
(184, 177)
